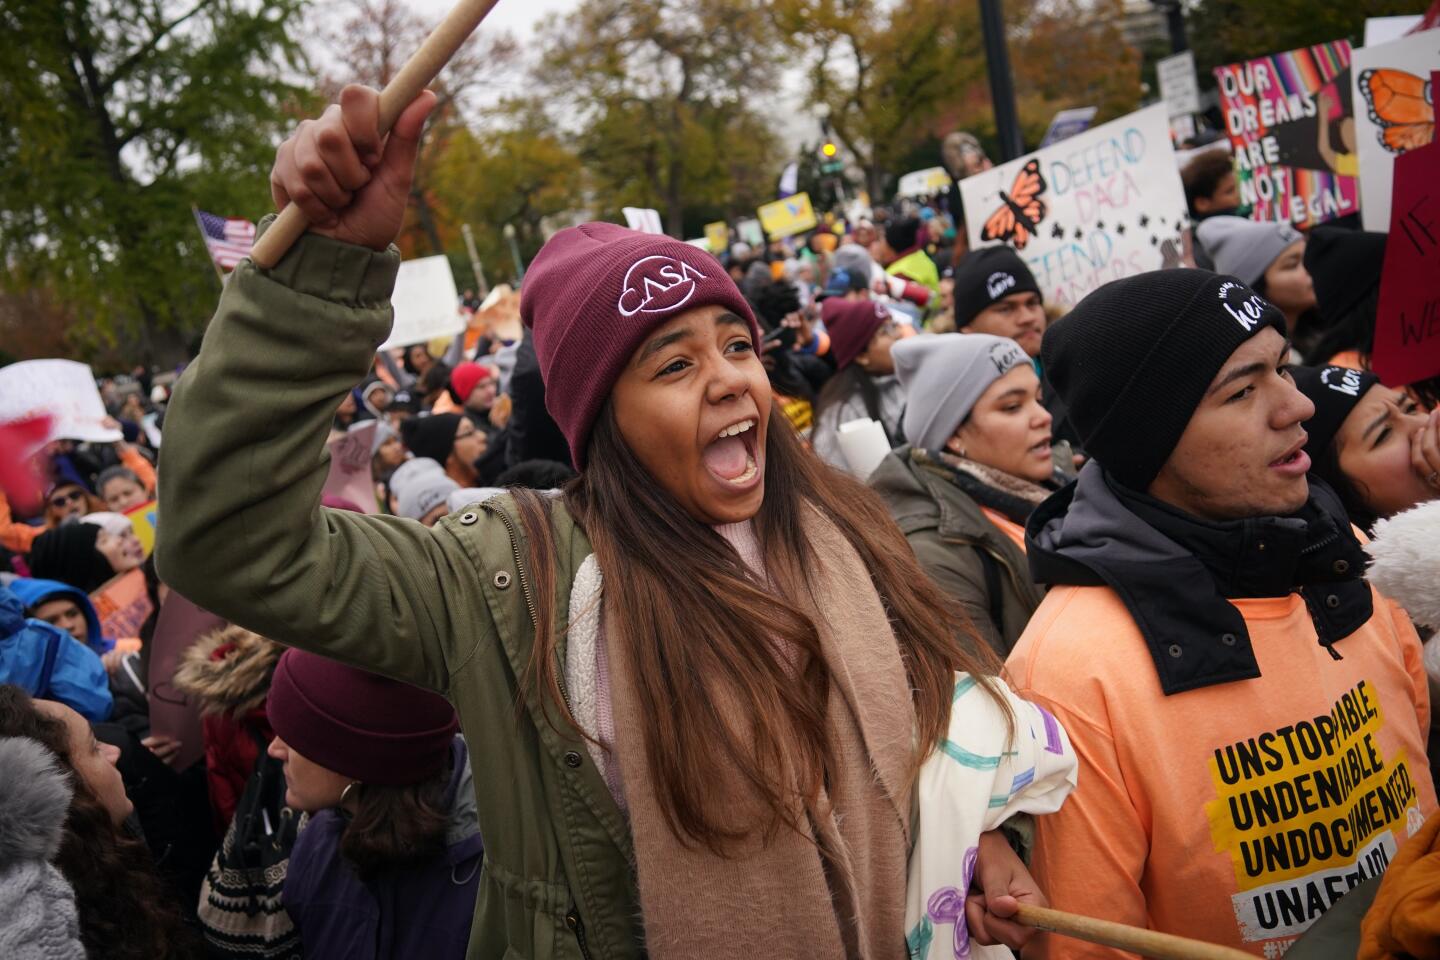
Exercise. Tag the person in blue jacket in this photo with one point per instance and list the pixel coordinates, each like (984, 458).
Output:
(63, 606)
(48, 663)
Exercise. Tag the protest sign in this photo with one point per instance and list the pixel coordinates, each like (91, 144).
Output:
(750, 232)
(1380, 30)
(1407, 323)
(785, 218)
(64, 390)
(718, 236)
(142, 518)
(1178, 86)
(172, 713)
(425, 302)
(1067, 123)
(643, 219)
(924, 183)
(349, 477)
(123, 605)
(1290, 120)
(1102, 205)
(1394, 112)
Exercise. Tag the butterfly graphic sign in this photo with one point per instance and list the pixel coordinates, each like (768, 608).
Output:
(787, 217)
(1394, 113)
(1100, 205)
(1021, 210)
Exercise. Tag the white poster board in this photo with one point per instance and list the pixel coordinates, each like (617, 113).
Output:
(1178, 86)
(1394, 112)
(1380, 30)
(642, 219)
(924, 183)
(750, 232)
(425, 302)
(1102, 205)
(63, 389)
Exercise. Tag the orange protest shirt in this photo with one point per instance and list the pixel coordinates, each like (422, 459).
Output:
(1235, 813)
(1006, 526)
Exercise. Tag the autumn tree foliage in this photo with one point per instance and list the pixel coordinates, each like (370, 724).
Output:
(125, 113)
(368, 43)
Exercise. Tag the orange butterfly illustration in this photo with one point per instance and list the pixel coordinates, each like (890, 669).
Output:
(1023, 209)
(1402, 105)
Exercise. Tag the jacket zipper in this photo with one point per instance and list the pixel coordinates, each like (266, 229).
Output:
(525, 590)
(573, 921)
(572, 918)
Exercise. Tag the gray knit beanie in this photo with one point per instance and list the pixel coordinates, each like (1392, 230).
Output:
(420, 485)
(856, 261)
(37, 905)
(1244, 248)
(944, 374)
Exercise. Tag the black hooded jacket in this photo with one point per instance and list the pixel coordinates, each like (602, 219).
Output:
(1176, 574)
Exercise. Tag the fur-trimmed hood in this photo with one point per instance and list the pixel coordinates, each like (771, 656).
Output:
(34, 799)
(228, 671)
(1405, 566)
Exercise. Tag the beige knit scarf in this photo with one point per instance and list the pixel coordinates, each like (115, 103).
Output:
(839, 890)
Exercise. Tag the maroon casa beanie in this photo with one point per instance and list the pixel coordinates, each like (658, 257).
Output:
(593, 294)
(358, 724)
(851, 325)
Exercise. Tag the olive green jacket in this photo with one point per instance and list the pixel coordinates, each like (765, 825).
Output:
(955, 543)
(448, 608)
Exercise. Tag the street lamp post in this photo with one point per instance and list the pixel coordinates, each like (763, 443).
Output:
(1175, 23)
(1002, 84)
(482, 287)
(509, 232)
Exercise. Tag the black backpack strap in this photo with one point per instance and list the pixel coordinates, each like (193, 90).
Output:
(992, 590)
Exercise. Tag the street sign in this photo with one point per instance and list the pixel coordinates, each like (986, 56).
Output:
(1178, 86)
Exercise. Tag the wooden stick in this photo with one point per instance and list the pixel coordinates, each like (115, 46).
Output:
(1147, 943)
(414, 76)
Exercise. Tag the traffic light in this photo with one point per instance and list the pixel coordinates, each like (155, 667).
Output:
(828, 150)
(830, 162)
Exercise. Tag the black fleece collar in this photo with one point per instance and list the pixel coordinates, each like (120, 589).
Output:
(1176, 574)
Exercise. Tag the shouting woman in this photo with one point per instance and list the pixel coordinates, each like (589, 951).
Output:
(697, 685)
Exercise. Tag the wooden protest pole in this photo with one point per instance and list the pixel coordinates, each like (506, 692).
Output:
(414, 76)
(1147, 943)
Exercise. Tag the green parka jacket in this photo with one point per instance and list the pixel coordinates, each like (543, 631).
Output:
(966, 555)
(448, 608)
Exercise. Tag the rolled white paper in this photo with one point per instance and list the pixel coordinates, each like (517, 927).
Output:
(864, 444)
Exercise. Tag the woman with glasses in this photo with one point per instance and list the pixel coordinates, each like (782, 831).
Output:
(67, 500)
(451, 440)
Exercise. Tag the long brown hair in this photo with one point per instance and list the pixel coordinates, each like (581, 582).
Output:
(125, 911)
(394, 826)
(701, 630)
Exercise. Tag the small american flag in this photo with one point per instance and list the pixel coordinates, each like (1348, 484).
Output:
(227, 238)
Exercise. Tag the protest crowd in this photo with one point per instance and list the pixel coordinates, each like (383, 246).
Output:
(853, 590)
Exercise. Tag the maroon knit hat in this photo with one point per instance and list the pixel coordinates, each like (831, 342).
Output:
(593, 294)
(851, 324)
(362, 726)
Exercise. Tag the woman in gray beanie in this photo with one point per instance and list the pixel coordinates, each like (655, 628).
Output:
(979, 462)
(1270, 259)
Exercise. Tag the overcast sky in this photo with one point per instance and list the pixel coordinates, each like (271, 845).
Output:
(791, 122)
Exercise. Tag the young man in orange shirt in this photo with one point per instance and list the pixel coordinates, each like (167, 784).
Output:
(1248, 713)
